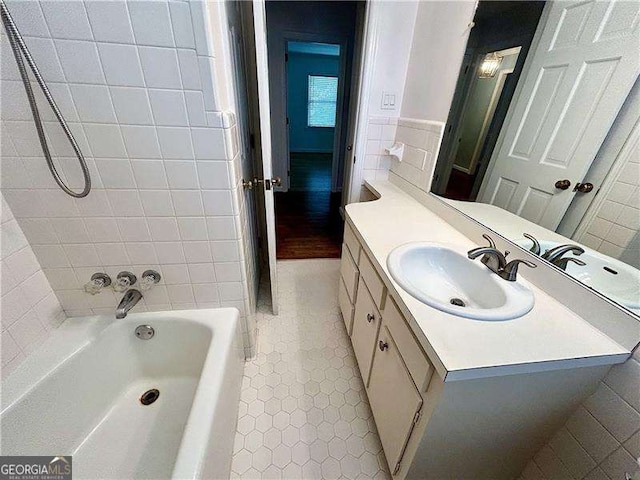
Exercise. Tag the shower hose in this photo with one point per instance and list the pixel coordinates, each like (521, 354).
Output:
(20, 48)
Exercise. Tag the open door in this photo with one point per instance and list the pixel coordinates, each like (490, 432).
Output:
(266, 183)
(575, 82)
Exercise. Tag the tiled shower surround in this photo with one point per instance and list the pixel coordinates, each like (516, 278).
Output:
(30, 309)
(137, 82)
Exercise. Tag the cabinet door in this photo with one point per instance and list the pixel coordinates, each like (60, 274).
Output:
(395, 401)
(366, 322)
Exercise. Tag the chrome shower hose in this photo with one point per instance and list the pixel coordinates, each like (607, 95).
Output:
(20, 48)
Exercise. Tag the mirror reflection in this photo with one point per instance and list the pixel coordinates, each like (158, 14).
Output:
(542, 139)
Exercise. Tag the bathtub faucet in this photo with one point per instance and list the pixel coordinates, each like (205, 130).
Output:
(129, 300)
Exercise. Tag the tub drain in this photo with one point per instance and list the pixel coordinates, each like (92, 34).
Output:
(457, 302)
(149, 396)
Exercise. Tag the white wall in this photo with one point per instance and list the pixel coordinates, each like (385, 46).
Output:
(141, 84)
(394, 35)
(30, 310)
(440, 37)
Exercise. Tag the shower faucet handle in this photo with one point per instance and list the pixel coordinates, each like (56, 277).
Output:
(149, 279)
(97, 283)
(124, 280)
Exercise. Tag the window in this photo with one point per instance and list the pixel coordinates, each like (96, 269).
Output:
(321, 104)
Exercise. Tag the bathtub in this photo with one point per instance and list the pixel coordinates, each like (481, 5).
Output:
(80, 394)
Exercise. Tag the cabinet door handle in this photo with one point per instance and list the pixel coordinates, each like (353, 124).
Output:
(383, 345)
(370, 317)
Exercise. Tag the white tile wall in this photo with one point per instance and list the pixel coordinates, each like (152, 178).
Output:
(615, 229)
(601, 440)
(422, 140)
(29, 308)
(138, 85)
(381, 132)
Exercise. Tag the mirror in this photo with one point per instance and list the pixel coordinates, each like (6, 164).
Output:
(542, 142)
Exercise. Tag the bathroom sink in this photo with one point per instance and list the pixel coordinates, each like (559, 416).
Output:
(448, 281)
(613, 278)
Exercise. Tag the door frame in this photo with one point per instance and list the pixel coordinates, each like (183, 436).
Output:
(343, 42)
(354, 171)
(493, 103)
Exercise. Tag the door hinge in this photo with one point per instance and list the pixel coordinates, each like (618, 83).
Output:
(354, 159)
(287, 120)
(286, 57)
(397, 469)
(416, 417)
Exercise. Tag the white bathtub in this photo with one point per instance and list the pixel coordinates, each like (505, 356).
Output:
(79, 395)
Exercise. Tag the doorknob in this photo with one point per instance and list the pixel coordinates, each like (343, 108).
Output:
(247, 184)
(583, 187)
(277, 181)
(563, 184)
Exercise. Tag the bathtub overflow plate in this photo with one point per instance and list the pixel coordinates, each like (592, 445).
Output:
(145, 332)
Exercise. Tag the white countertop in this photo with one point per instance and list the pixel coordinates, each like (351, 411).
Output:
(549, 337)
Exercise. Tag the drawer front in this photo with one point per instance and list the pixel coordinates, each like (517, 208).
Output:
(349, 272)
(346, 307)
(372, 279)
(414, 357)
(352, 242)
(366, 323)
(394, 399)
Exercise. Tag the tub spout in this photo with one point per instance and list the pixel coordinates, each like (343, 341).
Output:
(129, 300)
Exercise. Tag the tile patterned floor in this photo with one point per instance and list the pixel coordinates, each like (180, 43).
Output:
(304, 412)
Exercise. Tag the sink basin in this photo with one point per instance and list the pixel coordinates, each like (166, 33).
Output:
(448, 281)
(613, 278)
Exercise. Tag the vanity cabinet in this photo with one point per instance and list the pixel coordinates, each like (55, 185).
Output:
(393, 366)
(394, 399)
(349, 276)
(366, 323)
(437, 424)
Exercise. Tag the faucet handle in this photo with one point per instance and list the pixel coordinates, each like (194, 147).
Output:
(535, 248)
(492, 244)
(97, 283)
(149, 279)
(124, 280)
(510, 271)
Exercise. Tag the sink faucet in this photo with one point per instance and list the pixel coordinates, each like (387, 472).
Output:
(564, 261)
(496, 261)
(536, 245)
(556, 253)
(129, 300)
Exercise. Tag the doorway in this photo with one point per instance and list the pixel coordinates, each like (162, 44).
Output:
(310, 82)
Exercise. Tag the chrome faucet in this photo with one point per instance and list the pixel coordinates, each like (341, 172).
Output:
(556, 253)
(129, 300)
(496, 261)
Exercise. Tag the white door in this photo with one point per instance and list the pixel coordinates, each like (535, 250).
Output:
(575, 81)
(262, 67)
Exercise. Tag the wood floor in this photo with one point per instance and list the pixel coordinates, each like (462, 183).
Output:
(308, 225)
(310, 171)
